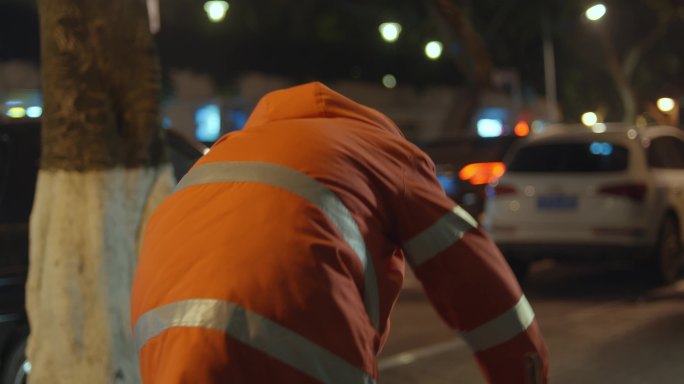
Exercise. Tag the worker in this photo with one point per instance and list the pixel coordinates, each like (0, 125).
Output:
(281, 253)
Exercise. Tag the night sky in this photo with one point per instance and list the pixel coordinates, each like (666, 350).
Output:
(330, 40)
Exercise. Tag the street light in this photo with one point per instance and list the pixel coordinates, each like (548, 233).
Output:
(216, 10)
(389, 81)
(589, 119)
(390, 31)
(595, 12)
(433, 50)
(153, 15)
(665, 104)
(549, 69)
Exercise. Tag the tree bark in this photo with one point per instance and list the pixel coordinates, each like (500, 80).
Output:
(622, 71)
(103, 169)
(622, 83)
(475, 63)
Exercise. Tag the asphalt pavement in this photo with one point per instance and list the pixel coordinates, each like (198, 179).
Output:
(602, 325)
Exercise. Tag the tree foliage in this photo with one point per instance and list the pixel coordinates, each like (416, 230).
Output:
(339, 40)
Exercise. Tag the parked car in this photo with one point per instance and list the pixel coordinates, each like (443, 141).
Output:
(19, 158)
(612, 193)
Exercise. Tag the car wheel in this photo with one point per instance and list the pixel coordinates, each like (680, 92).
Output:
(15, 367)
(668, 253)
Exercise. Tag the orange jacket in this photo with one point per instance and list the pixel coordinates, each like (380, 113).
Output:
(281, 253)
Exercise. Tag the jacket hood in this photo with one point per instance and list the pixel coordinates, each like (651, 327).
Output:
(315, 100)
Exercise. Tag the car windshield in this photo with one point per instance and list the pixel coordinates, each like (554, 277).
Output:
(570, 157)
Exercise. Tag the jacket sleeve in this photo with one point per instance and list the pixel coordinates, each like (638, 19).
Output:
(468, 281)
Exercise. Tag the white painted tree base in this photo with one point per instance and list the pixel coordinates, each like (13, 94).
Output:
(84, 234)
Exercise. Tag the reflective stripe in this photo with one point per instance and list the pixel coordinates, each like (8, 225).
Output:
(501, 329)
(251, 329)
(307, 188)
(449, 229)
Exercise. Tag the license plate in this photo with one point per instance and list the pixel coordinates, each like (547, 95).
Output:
(558, 203)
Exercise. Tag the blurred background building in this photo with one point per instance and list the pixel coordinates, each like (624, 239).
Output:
(440, 69)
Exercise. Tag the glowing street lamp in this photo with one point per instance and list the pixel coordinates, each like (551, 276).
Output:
(216, 10)
(389, 81)
(665, 104)
(589, 119)
(595, 12)
(433, 50)
(390, 31)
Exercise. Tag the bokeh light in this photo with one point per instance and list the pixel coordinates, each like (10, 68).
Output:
(521, 129)
(16, 112)
(34, 111)
(433, 50)
(390, 31)
(216, 10)
(665, 104)
(589, 118)
(595, 12)
(389, 81)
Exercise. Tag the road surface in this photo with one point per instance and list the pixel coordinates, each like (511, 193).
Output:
(602, 325)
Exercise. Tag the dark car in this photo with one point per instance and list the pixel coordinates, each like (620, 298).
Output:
(19, 159)
(466, 165)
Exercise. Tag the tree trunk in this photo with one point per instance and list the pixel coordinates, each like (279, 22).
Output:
(475, 62)
(622, 83)
(622, 72)
(103, 169)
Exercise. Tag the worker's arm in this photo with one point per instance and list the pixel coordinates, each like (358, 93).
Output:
(468, 281)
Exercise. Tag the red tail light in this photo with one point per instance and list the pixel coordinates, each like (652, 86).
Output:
(522, 128)
(636, 191)
(482, 173)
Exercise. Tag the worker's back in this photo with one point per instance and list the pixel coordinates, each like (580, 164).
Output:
(278, 257)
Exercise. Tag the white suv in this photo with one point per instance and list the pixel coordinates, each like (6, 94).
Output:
(614, 192)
